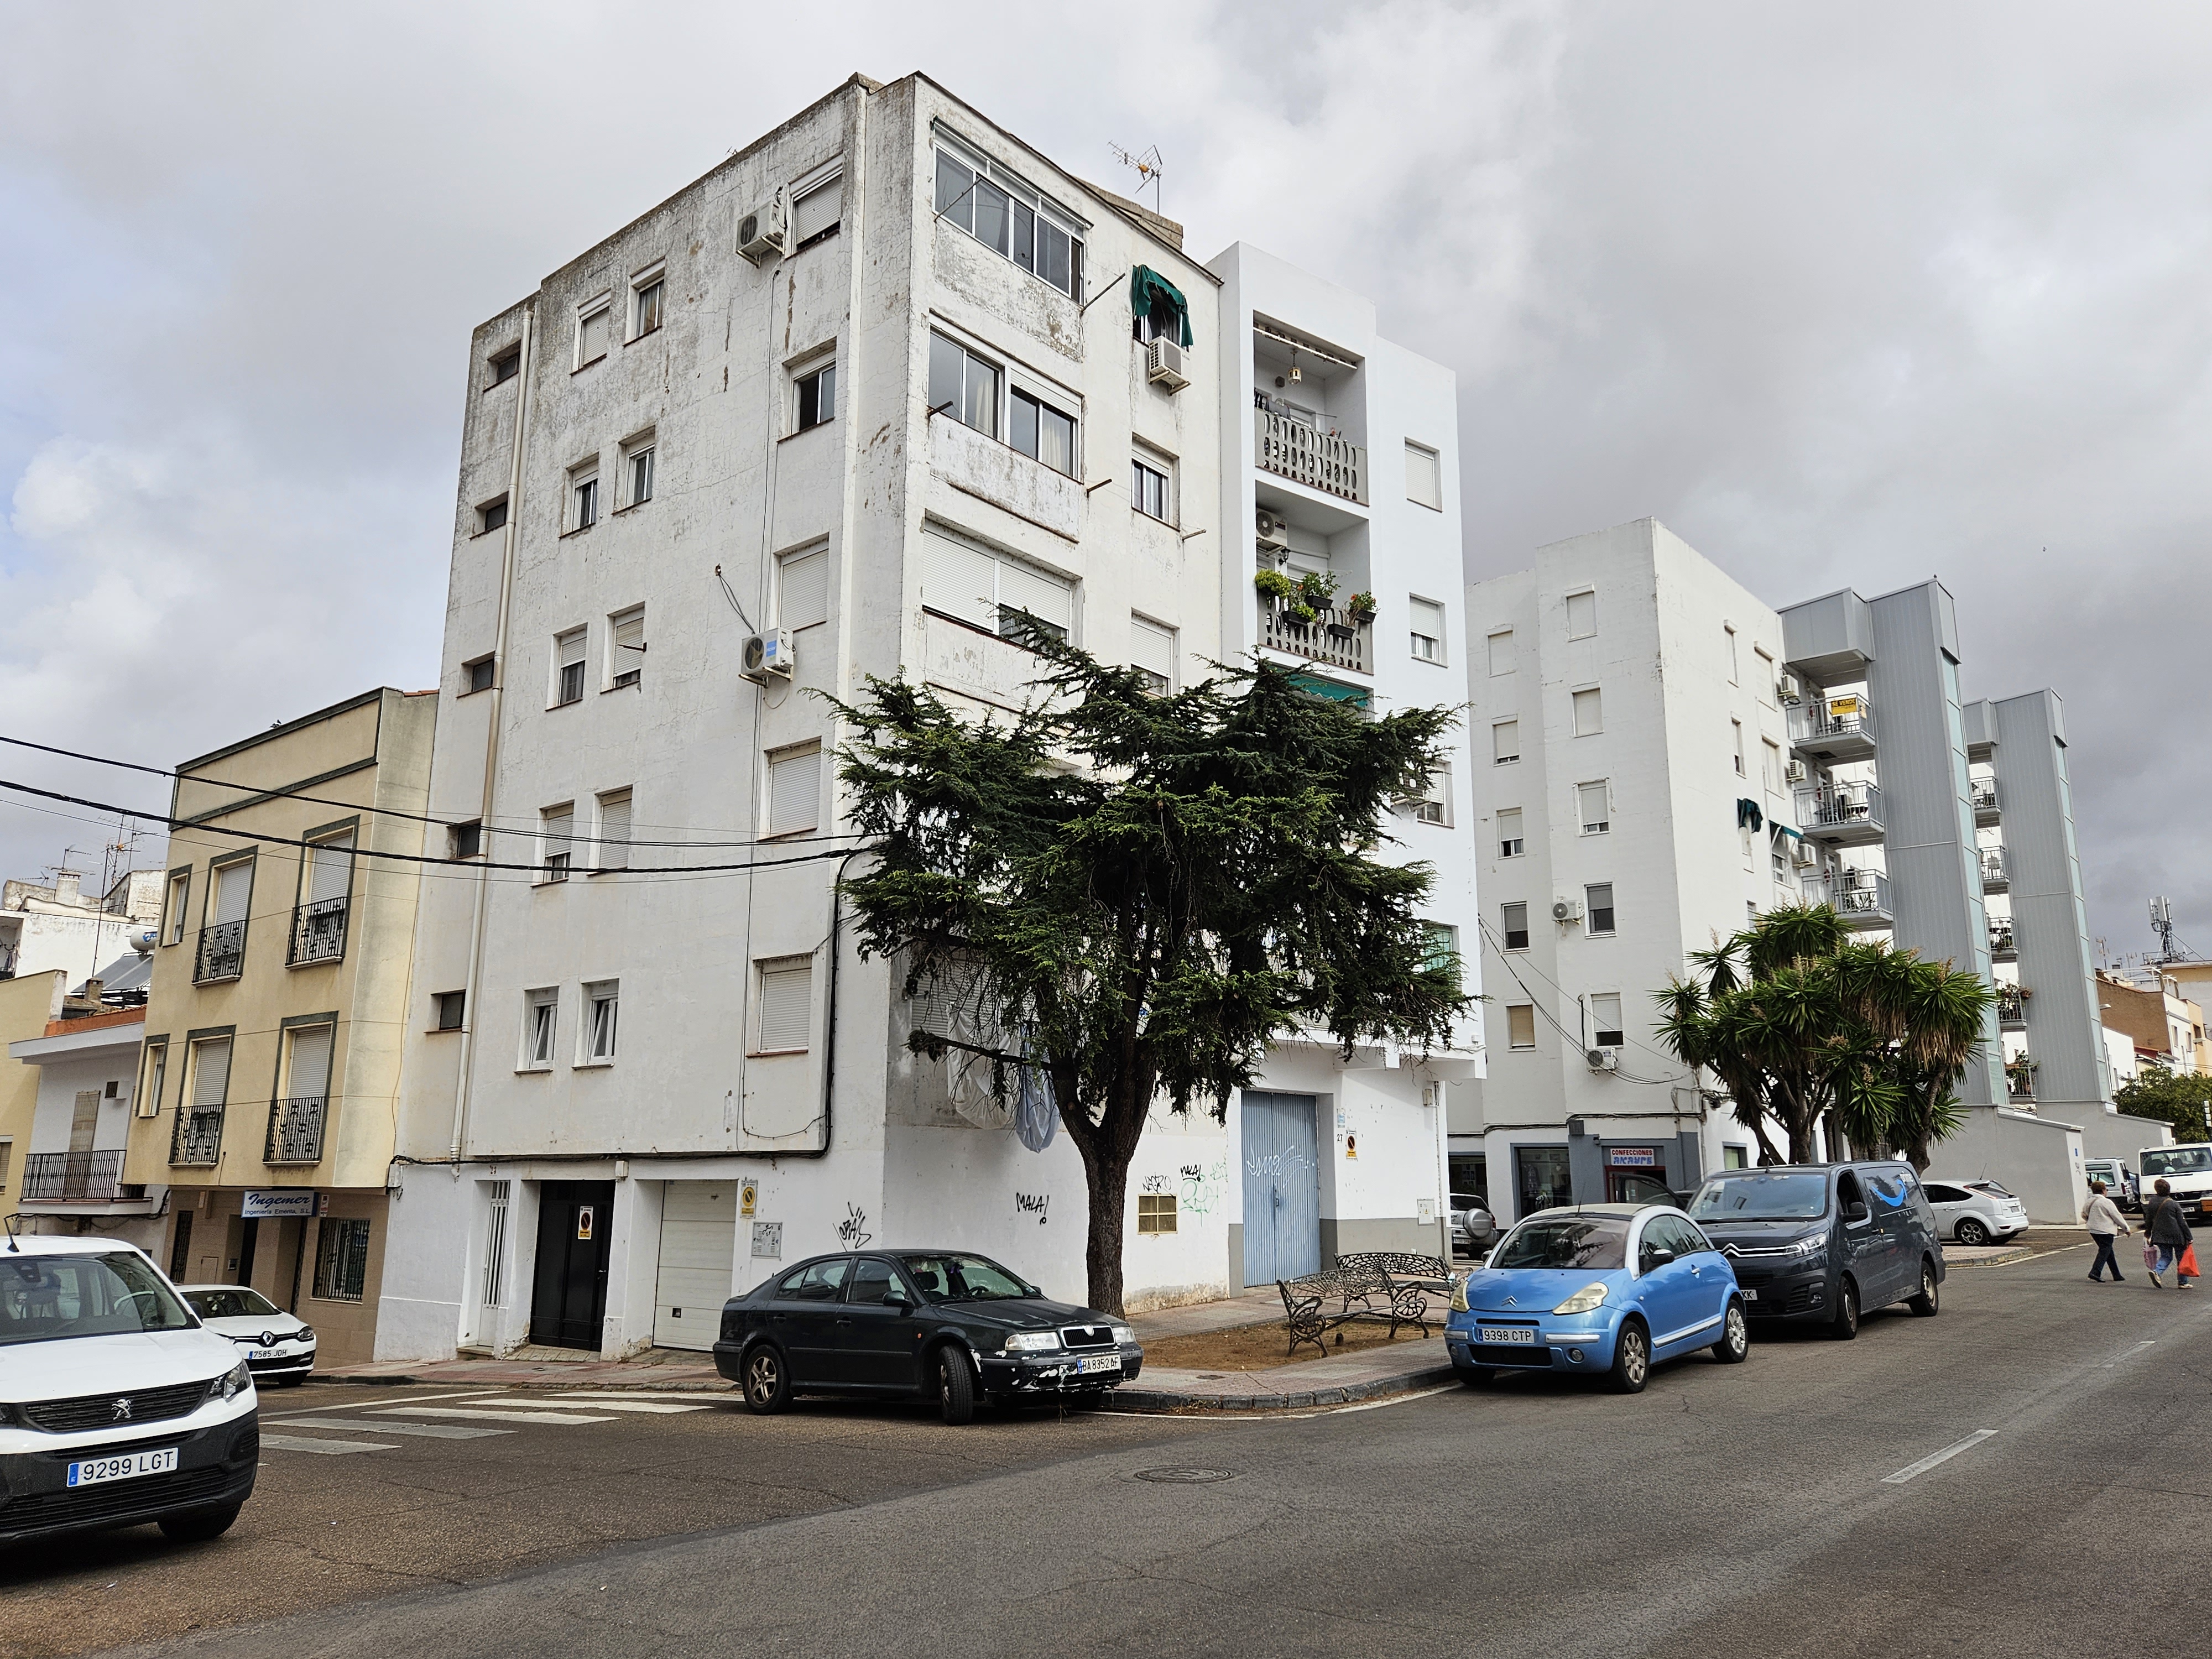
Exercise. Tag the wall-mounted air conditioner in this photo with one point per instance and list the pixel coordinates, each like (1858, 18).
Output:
(765, 233)
(1803, 854)
(1795, 771)
(1274, 533)
(1163, 364)
(770, 656)
(1789, 690)
(1566, 909)
(1602, 1060)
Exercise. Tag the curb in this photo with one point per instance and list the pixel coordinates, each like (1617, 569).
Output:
(388, 1381)
(1155, 1400)
(2023, 1253)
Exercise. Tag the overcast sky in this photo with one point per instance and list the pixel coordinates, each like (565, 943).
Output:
(1853, 293)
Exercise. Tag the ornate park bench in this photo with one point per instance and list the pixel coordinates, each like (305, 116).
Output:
(1373, 1285)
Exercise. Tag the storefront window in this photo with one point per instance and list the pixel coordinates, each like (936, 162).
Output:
(1470, 1175)
(1541, 1179)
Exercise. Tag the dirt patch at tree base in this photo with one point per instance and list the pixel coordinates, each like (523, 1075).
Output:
(1262, 1347)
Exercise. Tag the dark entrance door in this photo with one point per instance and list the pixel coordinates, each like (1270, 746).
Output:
(575, 1229)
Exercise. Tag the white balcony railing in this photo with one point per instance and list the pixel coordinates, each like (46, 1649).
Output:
(1294, 450)
(1335, 637)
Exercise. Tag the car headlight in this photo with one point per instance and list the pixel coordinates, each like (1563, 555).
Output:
(1459, 1304)
(1031, 1342)
(1809, 1246)
(1124, 1333)
(304, 1333)
(238, 1380)
(1583, 1300)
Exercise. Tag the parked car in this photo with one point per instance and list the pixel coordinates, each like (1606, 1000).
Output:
(279, 1346)
(2120, 1183)
(1825, 1241)
(116, 1407)
(1974, 1211)
(2187, 1169)
(942, 1325)
(1474, 1229)
(1607, 1290)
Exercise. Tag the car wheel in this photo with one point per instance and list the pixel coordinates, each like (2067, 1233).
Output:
(767, 1384)
(1972, 1232)
(1845, 1325)
(956, 1385)
(1734, 1345)
(197, 1526)
(1927, 1302)
(1631, 1360)
(1476, 1376)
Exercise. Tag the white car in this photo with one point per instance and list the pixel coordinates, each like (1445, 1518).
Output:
(1474, 1229)
(280, 1348)
(1974, 1211)
(116, 1407)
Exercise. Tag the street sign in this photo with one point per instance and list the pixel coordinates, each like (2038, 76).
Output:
(269, 1206)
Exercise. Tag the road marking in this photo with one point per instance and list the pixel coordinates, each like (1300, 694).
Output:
(293, 1443)
(1929, 1462)
(696, 1397)
(604, 1405)
(2130, 1354)
(427, 1430)
(381, 1398)
(491, 1416)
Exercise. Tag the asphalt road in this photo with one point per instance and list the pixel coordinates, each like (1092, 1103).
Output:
(1756, 1509)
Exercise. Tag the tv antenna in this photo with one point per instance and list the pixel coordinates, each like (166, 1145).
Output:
(1147, 166)
(2161, 923)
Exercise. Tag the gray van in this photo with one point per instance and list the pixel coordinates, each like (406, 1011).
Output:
(1825, 1241)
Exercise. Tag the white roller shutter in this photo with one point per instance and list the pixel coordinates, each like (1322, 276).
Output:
(233, 891)
(787, 1005)
(959, 581)
(1153, 648)
(1048, 597)
(311, 1064)
(817, 210)
(698, 1256)
(614, 831)
(332, 871)
(794, 791)
(805, 582)
(210, 1073)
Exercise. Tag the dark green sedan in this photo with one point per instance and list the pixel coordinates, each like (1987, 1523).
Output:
(942, 1325)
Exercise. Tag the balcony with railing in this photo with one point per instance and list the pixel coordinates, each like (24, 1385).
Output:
(1862, 898)
(1305, 455)
(295, 1130)
(318, 933)
(1996, 878)
(2020, 1078)
(197, 1138)
(1985, 794)
(1842, 814)
(72, 1177)
(1833, 729)
(2004, 947)
(2012, 1008)
(222, 952)
(1335, 637)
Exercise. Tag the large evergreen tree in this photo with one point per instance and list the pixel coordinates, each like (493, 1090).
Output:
(1143, 890)
(2182, 1099)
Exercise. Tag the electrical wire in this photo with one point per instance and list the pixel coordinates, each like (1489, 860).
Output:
(1575, 1038)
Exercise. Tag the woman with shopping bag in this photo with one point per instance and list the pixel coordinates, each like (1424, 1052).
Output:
(2168, 1240)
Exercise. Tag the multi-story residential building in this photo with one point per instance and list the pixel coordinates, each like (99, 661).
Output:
(28, 1003)
(85, 1059)
(876, 395)
(266, 1093)
(1632, 802)
(2162, 1025)
(54, 925)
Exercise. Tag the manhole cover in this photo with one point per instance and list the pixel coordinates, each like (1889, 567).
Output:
(1185, 1477)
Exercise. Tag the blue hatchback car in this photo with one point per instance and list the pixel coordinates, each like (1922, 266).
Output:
(1605, 1289)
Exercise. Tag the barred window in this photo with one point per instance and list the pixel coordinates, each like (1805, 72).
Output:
(1156, 1213)
(341, 1260)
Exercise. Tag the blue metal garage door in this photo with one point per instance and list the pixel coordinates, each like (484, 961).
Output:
(1282, 1187)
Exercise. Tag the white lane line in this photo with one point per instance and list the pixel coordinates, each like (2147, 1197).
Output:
(1929, 1462)
(648, 1406)
(293, 1443)
(2130, 1354)
(425, 1430)
(606, 1398)
(492, 1417)
(381, 1398)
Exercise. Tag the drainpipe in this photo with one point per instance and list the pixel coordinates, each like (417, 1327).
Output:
(508, 547)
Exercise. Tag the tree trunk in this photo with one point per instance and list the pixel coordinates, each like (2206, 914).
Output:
(1106, 1179)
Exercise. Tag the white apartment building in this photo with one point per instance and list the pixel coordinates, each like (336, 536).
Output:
(58, 925)
(874, 389)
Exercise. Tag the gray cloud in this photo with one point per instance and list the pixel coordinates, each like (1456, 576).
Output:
(1843, 295)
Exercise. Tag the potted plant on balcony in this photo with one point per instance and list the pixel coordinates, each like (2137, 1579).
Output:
(1275, 587)
(2020, 1074)
(1360, 607)
(1317, 590)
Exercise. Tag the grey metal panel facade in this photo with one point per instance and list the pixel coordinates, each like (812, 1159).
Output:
(2051, 921)
(1829, 637)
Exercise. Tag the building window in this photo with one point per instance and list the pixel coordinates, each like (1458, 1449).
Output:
(787, 1005)
(1441, 951)
(1501, 651)
(340, 1259)
(626, 648)
(541, 1016)
(1736, 740)
(592, 335)
(1508, 832)
(988, 591)
(645, 297)
(1589, 712)
(1039, 430)
(556, 840)
(1156, 1213)
(1504, 742)
(173, 923)
(962, 385)
(495, 1258)
(1762, 674)
(611, 850)
(816, 391)
(1513, 920)
(1769, 756)
(639, 459)
(1597, 908)
(1605, 1020)
(815, 215)
(156, 1079)
(1153, 653)
(584, 497)
(794, 789)
(1520, 1025)
(505, 366)
(1581, 616)
(1594, 802)
(1433, 804)
(1425, 476)
(447, 1008)
(464, 840)
(491, 516)
(1730, 642)
(802, 588)
(1427, 630)
(1735, 1157)
(1005, 214)
(569, 667)
(477, 676)
(1149, 493)
(602, 1002)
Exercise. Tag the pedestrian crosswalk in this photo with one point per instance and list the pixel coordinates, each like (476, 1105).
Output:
(458, 1416)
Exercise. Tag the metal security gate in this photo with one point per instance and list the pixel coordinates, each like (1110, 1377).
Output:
(1282, 1187)
(575, 1232)
(698, 1257)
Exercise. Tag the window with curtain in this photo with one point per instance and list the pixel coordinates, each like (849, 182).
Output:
(1007, 216)
(1150, 492)
(646, 300)
(1038, 429)
(962, 385)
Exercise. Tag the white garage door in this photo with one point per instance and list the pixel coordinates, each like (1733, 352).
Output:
(698, 1251)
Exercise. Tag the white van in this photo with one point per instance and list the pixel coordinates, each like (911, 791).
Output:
(117, 1407)
(2187, 1171)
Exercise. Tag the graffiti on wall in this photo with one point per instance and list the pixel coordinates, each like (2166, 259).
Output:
(1202, 1186)
(853, 1232)
(1034, 1204)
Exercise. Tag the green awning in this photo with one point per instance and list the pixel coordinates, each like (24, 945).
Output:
(1335, 691)
(1151, 295)
(1747, 815)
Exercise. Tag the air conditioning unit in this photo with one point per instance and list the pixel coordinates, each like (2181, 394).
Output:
(1789, 689)
(1566, 909)
(765, 233)
(1274, 532)
(1804, 855)
(1795, 772)
(1602, 1060)
(770, 656)
(1163, 364)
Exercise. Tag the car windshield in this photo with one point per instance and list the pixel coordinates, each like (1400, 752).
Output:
(1767, 1196)
(964, 1278)
(235, 1303)
(46, 1297)
(2177, 1160)
(1567, 1240)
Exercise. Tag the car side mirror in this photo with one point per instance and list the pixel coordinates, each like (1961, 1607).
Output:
(1658, 1255)
(1855, 1213)
(897, 1296)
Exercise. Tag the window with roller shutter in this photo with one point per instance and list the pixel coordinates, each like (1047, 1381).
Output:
(989, 591)
(199, 1135)
(222, 935)
(787, 1005)
(626, 648)
(1152, 650)
(319, 921)
(568, 668)
(613, 850)
(815, 215)
(556, 840)
(794, 789)
(296, 1119)
(803, 588)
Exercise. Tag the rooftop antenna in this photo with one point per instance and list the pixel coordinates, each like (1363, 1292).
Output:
(2161, 923)
(1146, 168)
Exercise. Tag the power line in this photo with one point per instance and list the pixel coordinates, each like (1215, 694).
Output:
(1574, 1038)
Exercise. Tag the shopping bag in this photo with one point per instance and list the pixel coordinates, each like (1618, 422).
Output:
(2150, 1257)
(2188, 1267)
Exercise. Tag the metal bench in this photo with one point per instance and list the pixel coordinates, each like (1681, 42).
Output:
(1373, 1285)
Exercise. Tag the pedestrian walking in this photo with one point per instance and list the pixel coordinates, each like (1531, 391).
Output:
(2106, 1222)
(2167, 1237)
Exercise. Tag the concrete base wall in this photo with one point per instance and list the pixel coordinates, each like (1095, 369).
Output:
(2121, 1135)
(2037, 1159)
(1341, 1236)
